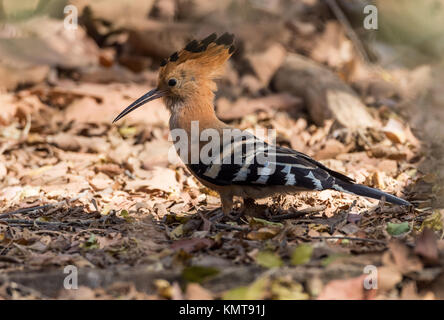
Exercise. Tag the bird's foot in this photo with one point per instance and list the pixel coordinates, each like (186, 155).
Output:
(217, 216)
(233, 216)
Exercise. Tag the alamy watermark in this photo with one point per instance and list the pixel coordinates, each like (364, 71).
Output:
(71, 281)
(371, 19)
(371, 280)
(72, 17)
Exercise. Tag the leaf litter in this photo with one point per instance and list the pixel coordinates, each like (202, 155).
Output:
(76, 190)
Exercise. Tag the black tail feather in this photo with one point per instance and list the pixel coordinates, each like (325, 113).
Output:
(365, 191)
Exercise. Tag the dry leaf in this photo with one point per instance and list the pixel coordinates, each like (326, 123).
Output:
(427, 246)
(403, 258)
(163, 179)
(191, 245)
(266, 63)
(388, 278)
(333, 47)
(395, 131)
(347, 289)
(263, 233)
(197, 292)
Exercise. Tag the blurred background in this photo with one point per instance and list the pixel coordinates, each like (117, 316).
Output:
(365, 101)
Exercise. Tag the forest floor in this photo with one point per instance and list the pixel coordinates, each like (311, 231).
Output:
(76, 190)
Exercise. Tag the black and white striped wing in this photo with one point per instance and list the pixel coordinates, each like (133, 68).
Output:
(261, 164)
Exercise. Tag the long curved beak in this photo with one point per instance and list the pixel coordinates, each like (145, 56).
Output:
(147, 97)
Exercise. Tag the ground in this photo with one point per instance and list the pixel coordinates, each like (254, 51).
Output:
(76, 190)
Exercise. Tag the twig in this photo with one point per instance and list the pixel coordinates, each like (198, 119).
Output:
(45, 206)
(229, 226)
(206, 223)
(48, 223)
(51, 232)
(25, 210)
(4, 258)
(225, 238)
(349, 30)
(381, 203)
(299, 213)
(349, 238)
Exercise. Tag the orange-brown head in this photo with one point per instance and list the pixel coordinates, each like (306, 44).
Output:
(189, 73)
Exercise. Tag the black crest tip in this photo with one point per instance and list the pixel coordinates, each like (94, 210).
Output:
(205, 42)
(191, 46)
(174, 56)
(200, 49)
(226, 39)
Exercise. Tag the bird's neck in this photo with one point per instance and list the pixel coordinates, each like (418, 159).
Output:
(188, 121)
(195, 110)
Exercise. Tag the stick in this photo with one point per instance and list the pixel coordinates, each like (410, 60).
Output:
(228, 226)
(350, 238)
(47, 223)
(349, 30)
(45, 206)
(299, 213)
(25, 210)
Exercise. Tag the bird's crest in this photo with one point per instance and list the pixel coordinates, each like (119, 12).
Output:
(205, 57)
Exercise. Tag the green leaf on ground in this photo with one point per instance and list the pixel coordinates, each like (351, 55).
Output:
(395, 229)
(177, 232)
(257, 290)
(91, 243)
(331, 258)
(288, 291)
(239, 293)
(433, 222)
(125, 215)
(198, 273)
(268, 259)
(301, 254)
(259, 221)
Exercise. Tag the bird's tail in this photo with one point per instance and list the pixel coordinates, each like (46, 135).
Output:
(365, 191)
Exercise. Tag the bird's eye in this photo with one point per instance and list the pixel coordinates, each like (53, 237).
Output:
(172, 82)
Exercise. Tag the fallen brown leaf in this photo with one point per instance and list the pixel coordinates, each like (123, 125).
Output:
(395, 131)
(266, 63)
(403, 258)
(195, 291)
(347, 289)
(427, 246)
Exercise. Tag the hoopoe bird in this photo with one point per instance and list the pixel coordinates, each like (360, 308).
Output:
(186, 85)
